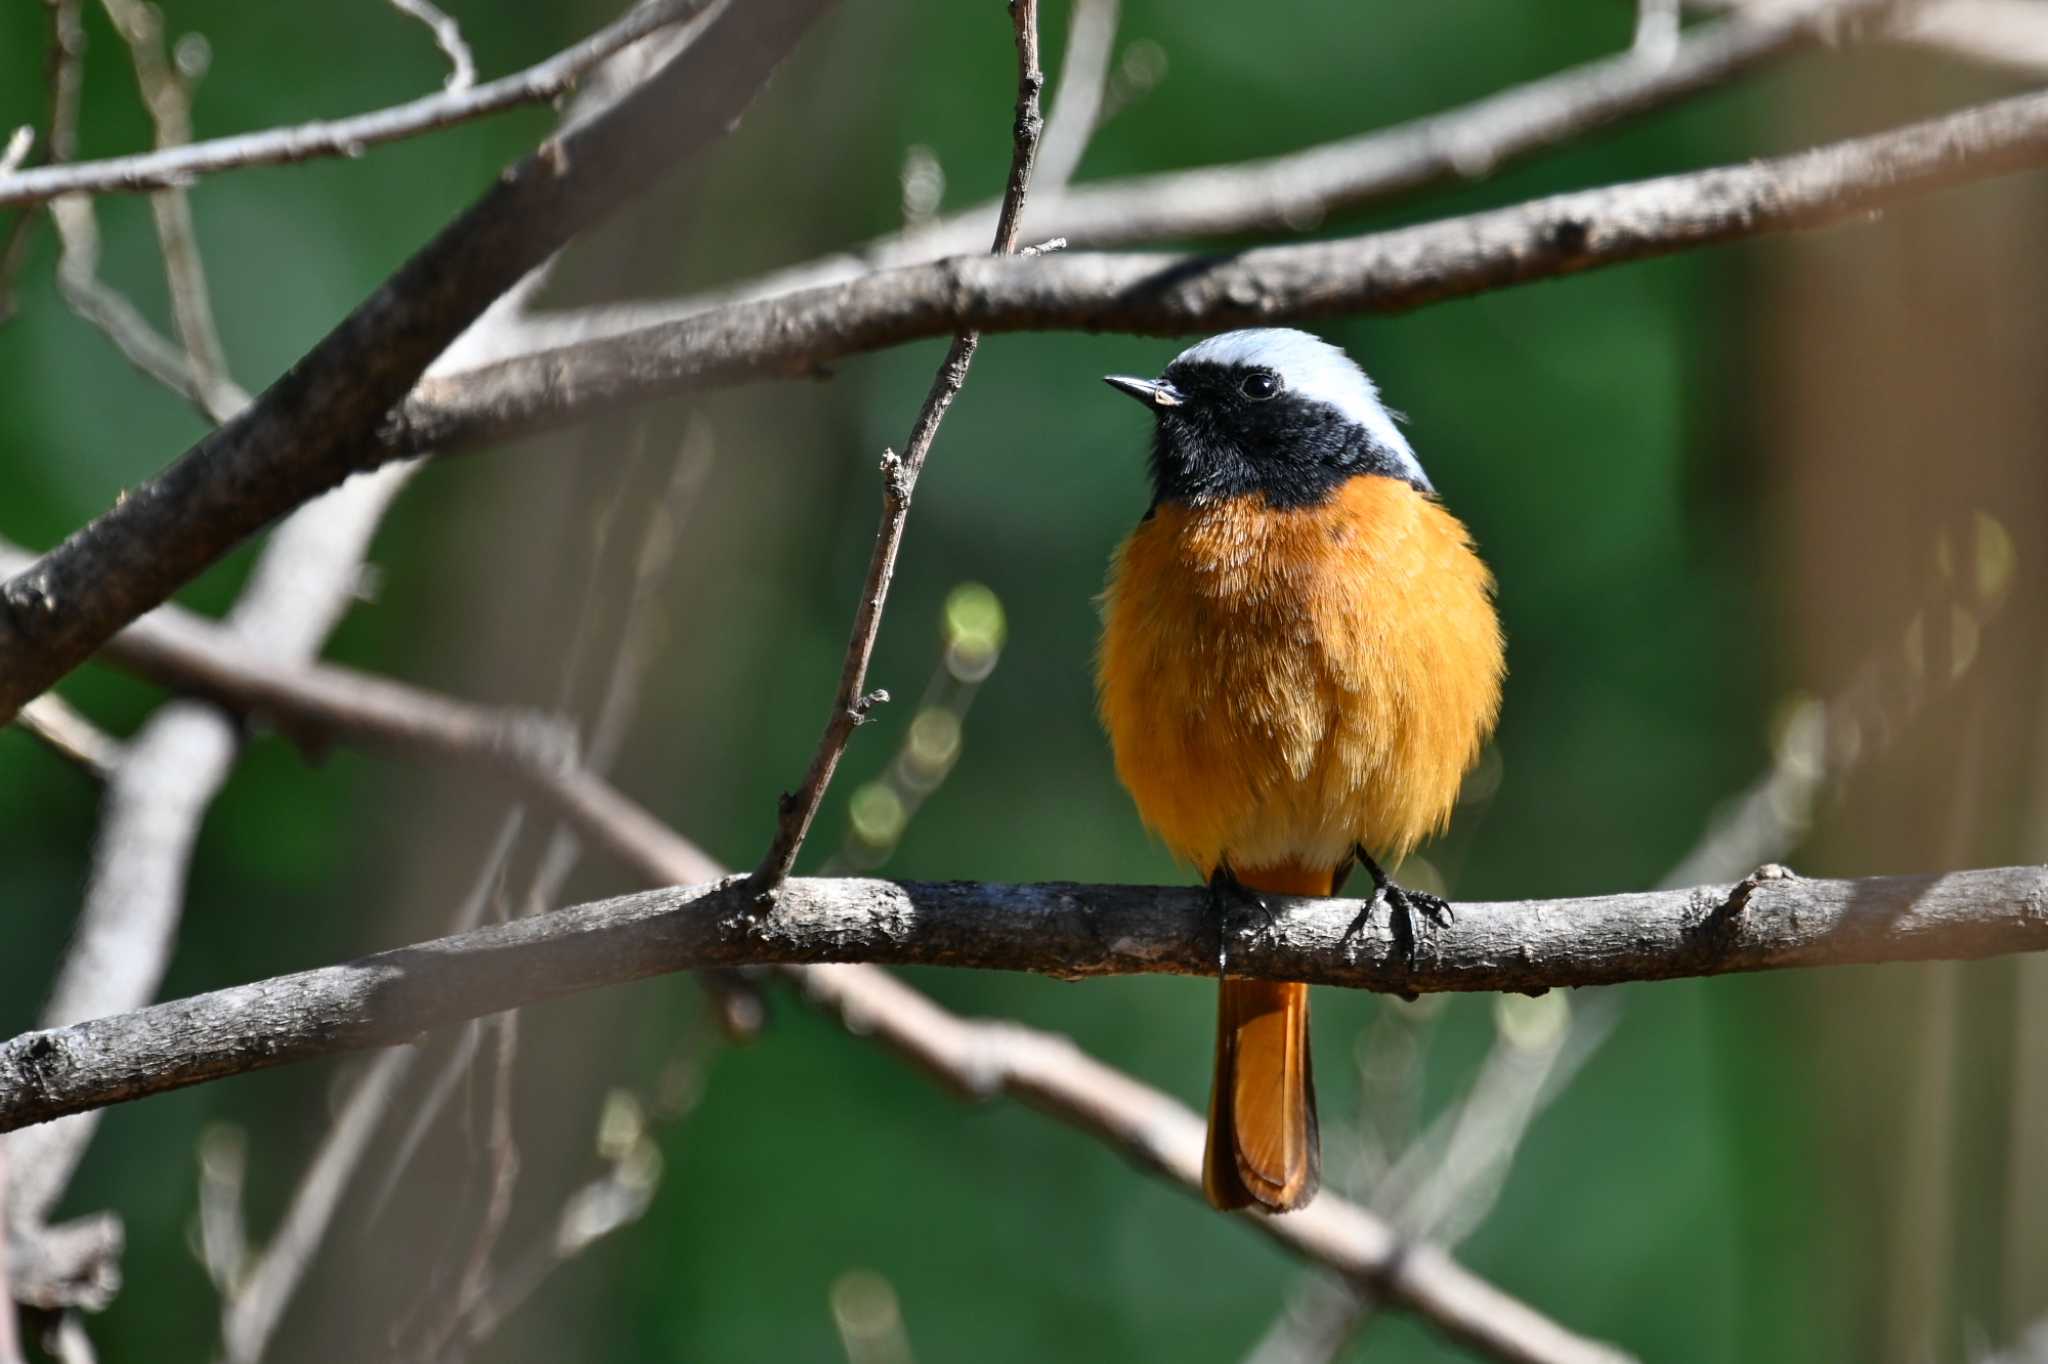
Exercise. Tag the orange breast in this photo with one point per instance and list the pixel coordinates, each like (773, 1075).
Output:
(1279, 685)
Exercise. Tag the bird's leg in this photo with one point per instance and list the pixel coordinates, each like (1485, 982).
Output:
(1405, 904)
(1223, 883)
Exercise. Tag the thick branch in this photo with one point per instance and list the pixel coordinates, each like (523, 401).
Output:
(307, 432)
(171, 167)
(1769, 921)
(1158, 294)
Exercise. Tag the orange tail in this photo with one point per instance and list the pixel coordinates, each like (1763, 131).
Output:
(1263, 1142)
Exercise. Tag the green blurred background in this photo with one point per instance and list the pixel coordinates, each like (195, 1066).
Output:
(1710, 486)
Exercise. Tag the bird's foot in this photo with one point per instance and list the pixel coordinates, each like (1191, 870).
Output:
(1434, 908)
(1403, 904)
(1232, 898)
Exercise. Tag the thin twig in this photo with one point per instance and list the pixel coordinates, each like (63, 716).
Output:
(167, 95)
(448, 37)
(68, 1343)
(69, 734)
(254, 1303)
(15, 150)
(348, 137)
(153, 354)
(2007, 35)
(223, 1152)
(473, 1289)
(1657, 29)
(1077, 100)
(614, 1200)
(852, 701)
(252, 1311)
(796, 335)
(64, 65)
(10, 1338)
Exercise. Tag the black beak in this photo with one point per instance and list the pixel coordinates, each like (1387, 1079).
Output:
(1151, 392)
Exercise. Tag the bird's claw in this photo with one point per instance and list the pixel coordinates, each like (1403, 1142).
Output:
(1232, 896)
(1434, 908)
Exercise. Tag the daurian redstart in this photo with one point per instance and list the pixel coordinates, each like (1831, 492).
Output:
(1300, 661)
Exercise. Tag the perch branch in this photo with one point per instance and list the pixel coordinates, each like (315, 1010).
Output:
(975, 1058)
(1770, 920)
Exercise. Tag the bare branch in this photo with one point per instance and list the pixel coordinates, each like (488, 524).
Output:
(68, 1343)
(981, 1059)
(53, 720)
(1299, 190)
(10, 1338)
(1166, 295)
(1771, 920)
(158, 796)
(1077, 101)
(16, 149)
(1657, 29)
(305, 434)
(106, 308)
(318, 704)
(257, 1302)
(2009, 35)
(350, 137)
(75, 1264)
(448, 37)
(65, 67)
(167, 95)
(851, 702)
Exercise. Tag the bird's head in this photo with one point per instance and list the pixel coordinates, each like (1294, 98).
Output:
(1267, 410)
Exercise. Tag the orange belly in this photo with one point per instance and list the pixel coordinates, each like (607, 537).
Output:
(1281, 685)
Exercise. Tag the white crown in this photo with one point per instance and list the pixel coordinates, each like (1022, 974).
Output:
(1315, 369)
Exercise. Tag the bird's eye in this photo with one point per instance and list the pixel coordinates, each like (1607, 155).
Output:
(1260, 385)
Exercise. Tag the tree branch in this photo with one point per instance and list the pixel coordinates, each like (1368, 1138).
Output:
(1297, 190)
(170, 167)
(1771, 920)
(2010, 35)
(65, 65)
(306, 432)
(1167, 295)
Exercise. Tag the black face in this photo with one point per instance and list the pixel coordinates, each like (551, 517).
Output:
(1238, 430)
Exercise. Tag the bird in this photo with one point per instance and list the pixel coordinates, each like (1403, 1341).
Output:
(1300, 661)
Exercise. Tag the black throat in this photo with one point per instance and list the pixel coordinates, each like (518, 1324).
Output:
(1295, 451)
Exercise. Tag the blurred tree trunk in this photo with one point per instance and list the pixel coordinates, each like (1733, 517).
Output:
(1905, 420)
